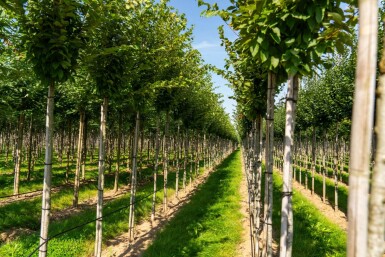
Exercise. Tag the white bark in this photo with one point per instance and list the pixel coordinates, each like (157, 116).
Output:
(46, 199)
(131, 218)
(286, 239)
(268, 208)
(376, 232)
(155, 172)
(102, 155)
(78, 161)
(361, 133)
(19, 147)
(165, 163)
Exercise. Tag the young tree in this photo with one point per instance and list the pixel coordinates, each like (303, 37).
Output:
(53, 36)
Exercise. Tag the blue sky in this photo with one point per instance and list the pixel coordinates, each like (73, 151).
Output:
(206, 40)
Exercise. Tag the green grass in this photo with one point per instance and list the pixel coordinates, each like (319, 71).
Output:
(314, 234)
(80, 241)
(210, 224)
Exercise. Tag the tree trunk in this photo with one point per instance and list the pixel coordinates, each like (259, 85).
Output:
(185, 160)
(335, 171)
(376, 231)
(177, 163)
(165, 162)
(30, 149)
(46, 198)
(116, 182)
(268, 208)
(324, 167)
(361, 133)
(84, 148)
(313, 159)
(78, 161)
(286, 239)
(19, 147)
(155, 172)
(101, 166)
(69, 149)
(131, 218)
(258, 182)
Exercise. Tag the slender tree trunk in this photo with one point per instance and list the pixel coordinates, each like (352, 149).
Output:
(84, 147)
(46, 199)
(324, 167)
(61, 147)
(155, 172)
(165, 163)
(78, 161)
(102, 157)
(287, 211)
(361, 133)
(30, 149)
(68, 149)
(335, 171)
(19, 147)
(177, 163)
(376, 231)
(116, 182)
(313, 159)
(131, 218)
(186, 142)
(258, 183)
(268, 208)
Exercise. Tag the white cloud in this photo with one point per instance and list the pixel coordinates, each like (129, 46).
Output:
(205, 45)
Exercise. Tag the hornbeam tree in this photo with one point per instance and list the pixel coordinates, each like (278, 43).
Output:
(53, 36)
(109, 51)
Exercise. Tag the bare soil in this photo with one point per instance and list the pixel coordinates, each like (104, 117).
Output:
(244, 249)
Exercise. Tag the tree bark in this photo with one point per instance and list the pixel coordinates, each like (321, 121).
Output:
(177, 163)
(79, 160)
(30, 149)
(131, 218)
(268, 208)
(101, 166)
(376, 231)
(286, 239)
(313, 159)
(19, 147)
(84, 148)
(69, 149)
(361, 133)
(46, 198)
(117, 169)
(165, 162)
(156, 162)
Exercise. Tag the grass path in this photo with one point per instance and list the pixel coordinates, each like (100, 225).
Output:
(211, 223)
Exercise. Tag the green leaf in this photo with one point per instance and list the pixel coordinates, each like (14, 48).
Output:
(276, 35)
(289, 41)
(274, 62)
(263, 56)
(319, 14)
(254, 50)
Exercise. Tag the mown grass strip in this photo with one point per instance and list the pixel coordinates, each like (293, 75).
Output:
(314, 234)
(210, 224)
